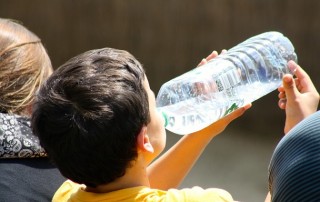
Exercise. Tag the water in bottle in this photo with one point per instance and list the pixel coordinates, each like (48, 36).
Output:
(245, 73)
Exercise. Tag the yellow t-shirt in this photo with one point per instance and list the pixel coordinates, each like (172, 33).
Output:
(73, 192)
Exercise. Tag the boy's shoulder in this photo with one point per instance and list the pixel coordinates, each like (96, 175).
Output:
(66, 190)
(75, 192)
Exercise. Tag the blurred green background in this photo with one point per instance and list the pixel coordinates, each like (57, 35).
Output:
(170, 38)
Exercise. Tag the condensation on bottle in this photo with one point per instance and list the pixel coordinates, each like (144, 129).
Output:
(245, 73)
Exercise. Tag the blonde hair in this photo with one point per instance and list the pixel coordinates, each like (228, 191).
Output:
(24, 65)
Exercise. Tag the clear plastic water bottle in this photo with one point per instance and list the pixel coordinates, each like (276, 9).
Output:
(248, 71)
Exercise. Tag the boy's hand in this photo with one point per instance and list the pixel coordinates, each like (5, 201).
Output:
(211, 56)
(219, 126)
(297, 96)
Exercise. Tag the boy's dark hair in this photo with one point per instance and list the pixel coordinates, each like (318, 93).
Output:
(89, 113)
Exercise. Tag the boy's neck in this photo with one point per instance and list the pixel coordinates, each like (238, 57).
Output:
(136, 175)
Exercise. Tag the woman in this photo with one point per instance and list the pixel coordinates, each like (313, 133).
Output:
(26, 173)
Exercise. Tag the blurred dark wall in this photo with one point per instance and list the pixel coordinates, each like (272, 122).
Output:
(171, 37)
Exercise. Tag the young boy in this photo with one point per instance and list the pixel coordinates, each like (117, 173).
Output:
(96, 117)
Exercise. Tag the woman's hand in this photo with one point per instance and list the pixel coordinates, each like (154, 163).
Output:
(297, 96)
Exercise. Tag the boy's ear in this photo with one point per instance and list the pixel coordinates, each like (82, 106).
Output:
(143, 141)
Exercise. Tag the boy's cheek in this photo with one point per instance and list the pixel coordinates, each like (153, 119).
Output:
(160, 118)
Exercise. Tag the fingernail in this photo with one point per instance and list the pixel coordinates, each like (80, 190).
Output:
(292, 67)
(287, 79)
(247, 106)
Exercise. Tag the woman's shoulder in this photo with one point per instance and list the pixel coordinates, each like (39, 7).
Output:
(17, 139)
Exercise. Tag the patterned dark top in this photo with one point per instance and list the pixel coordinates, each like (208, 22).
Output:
(294, 171)
(16, 138)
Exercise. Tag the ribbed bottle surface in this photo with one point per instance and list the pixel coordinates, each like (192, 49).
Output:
(245, 73)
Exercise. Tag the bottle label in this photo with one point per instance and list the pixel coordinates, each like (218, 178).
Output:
(228, 79)
(186, 120)
(232, 108)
